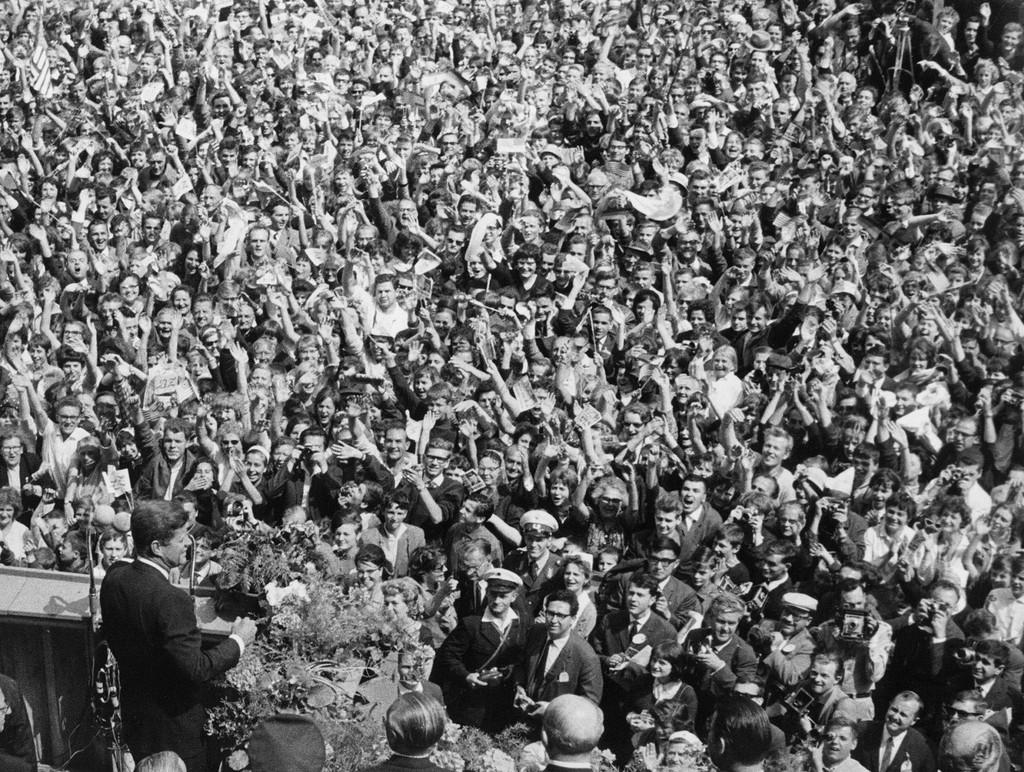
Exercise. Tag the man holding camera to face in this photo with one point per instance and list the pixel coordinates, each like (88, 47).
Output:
(982, 669)
(865, 642)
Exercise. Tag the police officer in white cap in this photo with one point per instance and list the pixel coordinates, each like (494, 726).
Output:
(474, 664)
(535, 562)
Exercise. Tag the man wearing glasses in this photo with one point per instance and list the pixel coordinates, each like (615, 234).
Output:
(557, 660)
(17, 749)
(60, 437)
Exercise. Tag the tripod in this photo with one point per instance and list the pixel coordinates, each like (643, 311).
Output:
(903, 64)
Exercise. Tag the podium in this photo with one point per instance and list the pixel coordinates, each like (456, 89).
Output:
(44, 646)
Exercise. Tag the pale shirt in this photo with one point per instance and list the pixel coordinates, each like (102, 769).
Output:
(501, 624)
(555, 646)
(725, 393)
(57, 453)
(172, 478)
(897, 743)
(390, 543)
(17, 538)
(1009, 613)
(878, 544)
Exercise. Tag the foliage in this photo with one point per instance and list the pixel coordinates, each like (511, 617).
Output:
(253, 559)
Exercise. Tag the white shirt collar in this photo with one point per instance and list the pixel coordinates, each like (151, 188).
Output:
(163, 571)
(501, 624)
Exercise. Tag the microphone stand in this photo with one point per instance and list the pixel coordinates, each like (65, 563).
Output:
(192, 568)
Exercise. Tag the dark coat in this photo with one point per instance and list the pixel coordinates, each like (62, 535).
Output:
(150, 626)
(679, 596)
(466, 650)
(17, 747)
(576, 669)
(611, 636)
(914, 747)
(28, 465)
(535, 589)
(740, 662)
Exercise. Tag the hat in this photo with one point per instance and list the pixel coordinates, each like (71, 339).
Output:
(287, 741)
(502, 577)
(780, 361)
(843, 287)
(800, 601)
(538, 521)
(552, 150)
(760, 41)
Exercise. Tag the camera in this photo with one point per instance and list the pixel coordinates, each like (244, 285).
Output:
(853, 625)
(965, 656)
(305, 455)
(237, 509)
(493, 675)
(799, 701)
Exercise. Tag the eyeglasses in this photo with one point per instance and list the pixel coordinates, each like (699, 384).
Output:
(952, 712)
(439, 459)
(662, 561)
(556, 615)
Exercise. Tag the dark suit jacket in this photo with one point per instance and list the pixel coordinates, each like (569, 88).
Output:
(448, 495)
(150, 626)
(701, 534)
(404, 764)
(677, 593)
(611, 636)
(914, 747)
(17, 746)
(408, 542)
(535, 589)
(576, 669)
(740, 661)
(152, 484)
(28, 465)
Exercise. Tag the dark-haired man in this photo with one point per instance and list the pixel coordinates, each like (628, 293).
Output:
(151, 628)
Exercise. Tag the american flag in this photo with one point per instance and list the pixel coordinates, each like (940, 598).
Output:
(39, 68)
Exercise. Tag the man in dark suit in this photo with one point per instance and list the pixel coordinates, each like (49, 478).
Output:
(699, 524)
(765, 599)
(474, 664)
(716, 655)
(924, 648)
(618, 638)
(475, 562)
(886, 745)
(557, 660)
(676, 599)
(986, 675)
(168, 465)
(535, 563)
(150, 626)
(15, 470)
(413, 725)
(437, 497)
(17, 747)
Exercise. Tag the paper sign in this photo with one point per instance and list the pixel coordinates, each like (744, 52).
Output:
(523, 393)
(118, 482)
(150, 92)
(426, 262)
(511, 145)
(182, 186)
(588, 417)
(316, 255)
(186, 128)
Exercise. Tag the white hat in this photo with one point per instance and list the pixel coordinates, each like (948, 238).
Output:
(537, 520)
(800, 601)
(503, 576)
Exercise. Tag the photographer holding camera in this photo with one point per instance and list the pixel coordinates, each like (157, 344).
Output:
(865, 642)
(924, 647)
(787, 645)
(982, 668)
(804, 711)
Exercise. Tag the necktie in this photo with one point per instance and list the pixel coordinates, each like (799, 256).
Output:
(634, 628)
(886, 756)
(538, 673)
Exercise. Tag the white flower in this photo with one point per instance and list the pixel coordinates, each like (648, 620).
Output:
(276, 595)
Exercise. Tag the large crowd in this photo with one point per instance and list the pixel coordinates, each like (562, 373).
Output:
(685, 336)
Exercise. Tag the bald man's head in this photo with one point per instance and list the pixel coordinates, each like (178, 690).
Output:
(572, 727)
(972, 746)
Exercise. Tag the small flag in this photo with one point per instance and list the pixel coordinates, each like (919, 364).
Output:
(39, 68)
